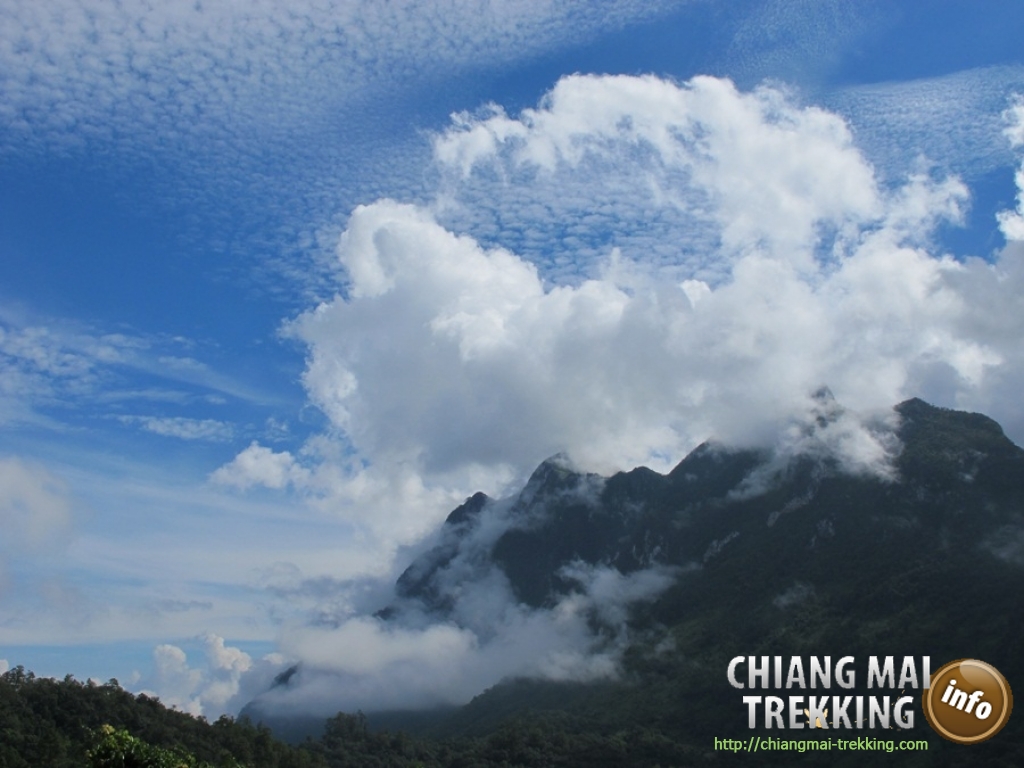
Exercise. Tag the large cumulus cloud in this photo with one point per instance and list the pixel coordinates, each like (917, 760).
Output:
(447, 352)
(527, 311)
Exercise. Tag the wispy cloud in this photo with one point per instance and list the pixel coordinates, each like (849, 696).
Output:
(127, 551)
(35, 512)
(413, 662)
(800, 40)
(418, 657)
(183, 428)
(39, 365)
(50, 369)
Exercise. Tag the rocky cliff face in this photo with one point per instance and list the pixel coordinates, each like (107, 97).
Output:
(957, 481)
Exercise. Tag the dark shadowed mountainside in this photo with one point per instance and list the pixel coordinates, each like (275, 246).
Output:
(794, 557)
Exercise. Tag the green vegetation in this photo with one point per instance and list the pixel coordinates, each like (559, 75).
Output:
(47, 722)
(70, 724)
(119, 749)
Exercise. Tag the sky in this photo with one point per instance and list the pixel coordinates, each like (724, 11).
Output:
(282, 284)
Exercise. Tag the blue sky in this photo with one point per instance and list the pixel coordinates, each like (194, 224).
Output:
(281, 284)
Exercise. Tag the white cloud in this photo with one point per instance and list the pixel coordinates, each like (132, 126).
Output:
(1012, 222)
(34, 506)
(349, 658)
(41, 366)
(450, 366)
(35, 513)
(257, 465)
(759, 168)
(451, 363)
(52, 370)
(954, 120)
(390, 504)
(183, 67)
(211, 689)
(174, 680)
(797, 39)
(183, 428)
(451, 354)
(414, 661)
(669, 174)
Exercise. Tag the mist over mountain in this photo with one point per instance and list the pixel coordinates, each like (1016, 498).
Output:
(623, 598)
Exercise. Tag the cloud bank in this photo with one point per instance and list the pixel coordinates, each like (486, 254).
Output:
(417, 655)
(371, 664)
(446, 352)
(211, 689)
(531, 309)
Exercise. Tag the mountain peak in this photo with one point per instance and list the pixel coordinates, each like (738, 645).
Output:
(823, 395)
(468, 511)
(554, 475)
(916, 414)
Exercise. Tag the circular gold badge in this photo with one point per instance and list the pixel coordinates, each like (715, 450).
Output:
(969, 701)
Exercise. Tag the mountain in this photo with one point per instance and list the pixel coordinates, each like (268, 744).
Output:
(628, 522)
(767, 554)
(957, 478)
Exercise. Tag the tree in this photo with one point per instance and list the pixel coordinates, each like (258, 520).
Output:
(119, 749)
